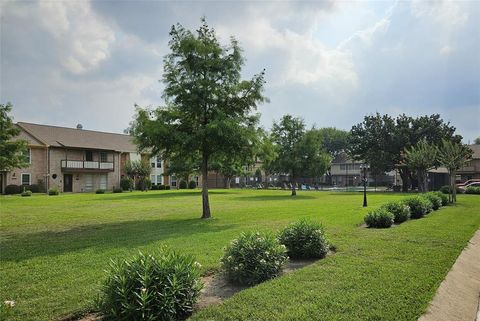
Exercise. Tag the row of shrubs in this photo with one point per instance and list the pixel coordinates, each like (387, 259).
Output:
(166, 285)
(399, 211)
(473, 190)
(18, 189)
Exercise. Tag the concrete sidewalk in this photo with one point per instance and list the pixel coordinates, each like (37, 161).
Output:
(458, 297)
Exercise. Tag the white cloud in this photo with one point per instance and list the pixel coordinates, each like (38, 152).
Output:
(446, 13)
(84, 40)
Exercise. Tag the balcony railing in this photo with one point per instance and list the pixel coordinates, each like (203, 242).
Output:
(78, 164)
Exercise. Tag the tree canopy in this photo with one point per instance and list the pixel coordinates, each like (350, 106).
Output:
(11, 148)
(209, 109)
(300, 153)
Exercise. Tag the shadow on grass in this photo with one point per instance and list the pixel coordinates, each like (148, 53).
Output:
(283, 197)
(128, 234)
(156, 195)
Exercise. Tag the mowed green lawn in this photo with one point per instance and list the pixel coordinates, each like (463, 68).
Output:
(53, 251)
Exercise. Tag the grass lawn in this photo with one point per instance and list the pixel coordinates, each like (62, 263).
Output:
(53, 251)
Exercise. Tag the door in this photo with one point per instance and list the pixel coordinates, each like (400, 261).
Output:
(67, 182)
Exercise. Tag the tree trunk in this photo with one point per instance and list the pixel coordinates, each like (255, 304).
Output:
(453, 187)
(227, 182)
(405, 175)
(294, 187)
(266, 181)
(205, 201)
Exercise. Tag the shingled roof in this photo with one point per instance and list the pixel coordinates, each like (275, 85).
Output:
(56, 136)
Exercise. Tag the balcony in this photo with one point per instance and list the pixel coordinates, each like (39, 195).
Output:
(86, 166)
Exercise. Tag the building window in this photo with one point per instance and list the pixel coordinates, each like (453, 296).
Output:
(173, 181)
(159, 162)
(88, 182)
(26, 179)
(103, 157)
(28, 155)
(152, 162)
(159, 180)
(88, 155)
(156, 162)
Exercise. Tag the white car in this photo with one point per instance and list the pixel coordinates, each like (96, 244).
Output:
(464, 187)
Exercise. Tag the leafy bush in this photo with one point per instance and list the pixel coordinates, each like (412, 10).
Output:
(400, 211)
(53, 191)
(13, 189)
(161, 187)
(443, 197)
(182, 185)
(164, 286)
(419, 206)
(379, 218)
(446, 189)
(100, 191)
(253, 258)
(126, 183)
(473, 190)
(118, 190)
(305, 240)
(154, 187)
(429, 203)
(34, 188)
(192, 185)
(26, 193)
(167, 187)
(434, 199)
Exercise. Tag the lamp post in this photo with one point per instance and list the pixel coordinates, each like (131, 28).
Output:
(364, 167)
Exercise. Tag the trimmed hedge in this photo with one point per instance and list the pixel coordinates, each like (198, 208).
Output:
(13, 189)
(379, 218)
(400, 211)
(446, 189)
(26, 193)
(118, 190)
(100, 191)
(53, 191)
(192, 185)
(305, 240)
(183, 185)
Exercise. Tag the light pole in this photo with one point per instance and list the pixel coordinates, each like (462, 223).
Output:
(364, 167)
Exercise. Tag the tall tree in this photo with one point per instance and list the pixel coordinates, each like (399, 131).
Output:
(209, 108)
(138, 170)
(421, 158)
(453, 156)
(477, 141)
(11, 148)
(300, 154)
(267, 155)
(381, 140)
(333, 141)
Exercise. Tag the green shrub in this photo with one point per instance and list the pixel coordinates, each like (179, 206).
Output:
(34, 188)
(13, 189)
(167, 187)
(161, 187)
(379, 218)
(253, 258)
(434, 199)
(118, 190)
(26, 193)
(100, 191)
(305, 240)
(183, 185)
(151, 287)
(126, 183)
(443, 197)
(154, 187)
(446, 189)
(400, 211)
(419, 206)
(192, 185)
(53, 191)
(473, 190)
(428, 202)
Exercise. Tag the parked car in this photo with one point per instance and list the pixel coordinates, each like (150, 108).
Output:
(464, 187)
(475, 180)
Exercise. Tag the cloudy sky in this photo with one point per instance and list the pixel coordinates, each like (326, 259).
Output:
(89, 62)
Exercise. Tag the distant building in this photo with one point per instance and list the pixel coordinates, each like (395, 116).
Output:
(75, 159)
